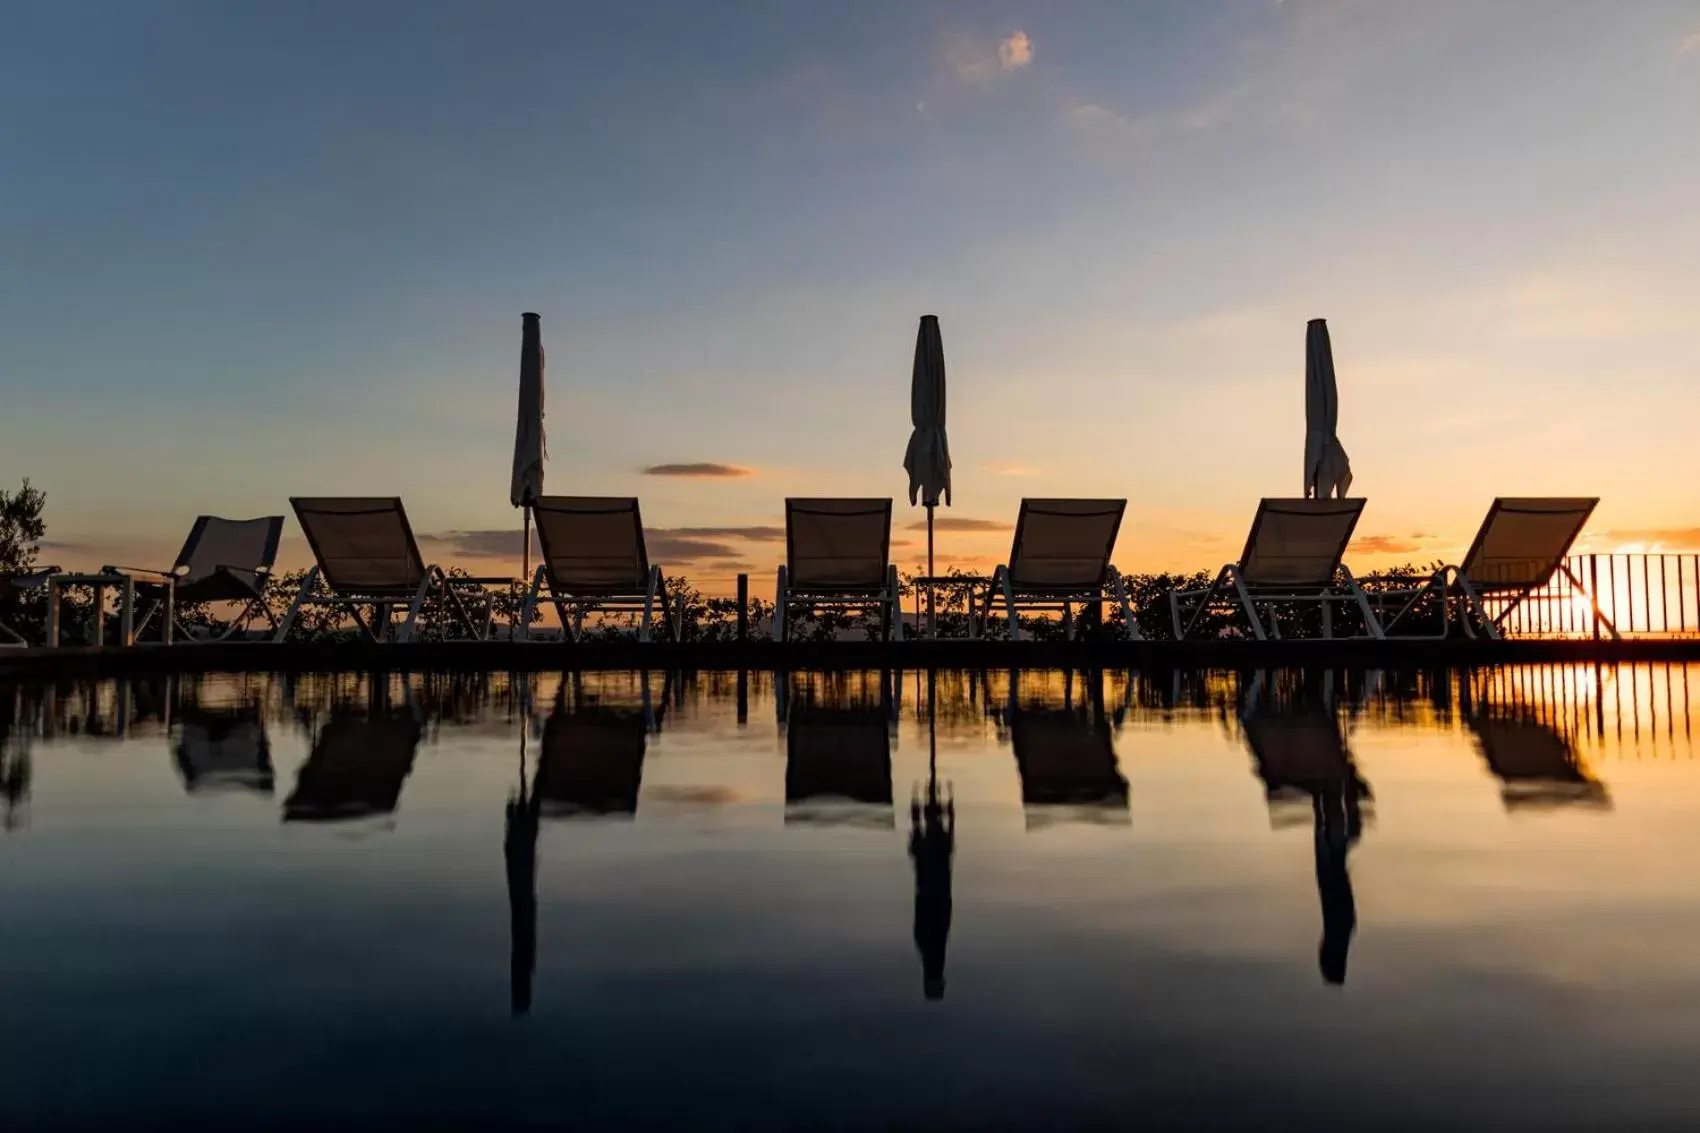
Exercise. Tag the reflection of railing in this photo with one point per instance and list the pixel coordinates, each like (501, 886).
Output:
(1642, 595)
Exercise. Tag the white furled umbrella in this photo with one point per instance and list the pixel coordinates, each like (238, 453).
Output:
(928, 459)
(529, 445)
(1328, 471)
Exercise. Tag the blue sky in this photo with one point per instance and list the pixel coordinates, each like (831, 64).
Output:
(261, 250)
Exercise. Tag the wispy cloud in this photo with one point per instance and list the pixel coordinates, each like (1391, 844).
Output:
(703, 470)
(1016, 50)
(1102, 124)
(1654, 537)
(677, 549)
(1011, 468)
(960, 523)
(486, 544)
(1384, 545)
(980, 59)
(757, 534)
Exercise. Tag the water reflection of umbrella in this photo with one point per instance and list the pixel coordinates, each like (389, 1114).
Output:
(1536, 766)
(1328, 471)
(932, 844)
(927, 459)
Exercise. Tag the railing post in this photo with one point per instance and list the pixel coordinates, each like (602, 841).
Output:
(1594, 589)
(743, 607)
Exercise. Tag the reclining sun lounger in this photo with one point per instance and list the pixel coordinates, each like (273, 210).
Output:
(222, 560)
(838, 556)
(1520, 546)
(594, 557)
(1060, 558)
(367, 557)
(1291, 556)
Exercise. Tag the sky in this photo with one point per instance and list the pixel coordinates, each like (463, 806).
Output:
(254, 251)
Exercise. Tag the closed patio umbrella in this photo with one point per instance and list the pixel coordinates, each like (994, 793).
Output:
(1328, 471)
(928, 458)
(529, 445)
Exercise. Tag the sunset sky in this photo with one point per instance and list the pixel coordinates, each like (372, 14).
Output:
(251, 251)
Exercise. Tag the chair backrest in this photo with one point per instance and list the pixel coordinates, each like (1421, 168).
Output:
(837, 544)
(592, 544)
(1522, 541)
(362, 543)
(246, 548)
(1064, 545)
(1298, 542)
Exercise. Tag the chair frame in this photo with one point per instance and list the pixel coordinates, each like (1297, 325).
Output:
(39, 578)
(1110, 589)
(1478, 593)
(645, 597)
(171, 579)
(887, 596)
(1232, 587)
(384, 600)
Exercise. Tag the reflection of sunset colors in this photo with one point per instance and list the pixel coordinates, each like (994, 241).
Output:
(1124, 225)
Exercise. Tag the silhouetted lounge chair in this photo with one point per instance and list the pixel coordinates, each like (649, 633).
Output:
(838, 767)
(221, 750)
(1291, 556)
(594, 553)
(838, 556)
(357, 767)
(592, 762)
(1068, 766)
(12, 587)
(222, 560)
(1520, 546)
(1535, 765)
(367, 557)
(1060, 558)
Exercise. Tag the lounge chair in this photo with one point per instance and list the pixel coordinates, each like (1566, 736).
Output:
(1520, 546)
(222, 560)
(367, 557)
(838, 556)
(1292, 555)
(1060, 558)
(594, 556)
(12, 587)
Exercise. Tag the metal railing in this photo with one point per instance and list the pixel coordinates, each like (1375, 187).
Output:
(1641, 595)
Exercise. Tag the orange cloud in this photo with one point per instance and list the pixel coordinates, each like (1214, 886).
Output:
(1657, 537)
(1384, 545)
(960, 523)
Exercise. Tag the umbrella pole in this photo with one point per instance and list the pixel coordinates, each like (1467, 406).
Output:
(524, 571)
(932, 625)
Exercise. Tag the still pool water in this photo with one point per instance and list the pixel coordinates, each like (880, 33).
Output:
(868, 900)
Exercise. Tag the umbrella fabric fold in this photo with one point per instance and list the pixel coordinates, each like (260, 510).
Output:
(528, 431)
(928, 458)
(1328, 471)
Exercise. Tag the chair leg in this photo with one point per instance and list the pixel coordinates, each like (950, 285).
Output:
(1474, 601)
(649, 604)
(1370, 620)
(1009, 603)
(426, 584)
(307, 584)
(529, 606)
(1118, 589)
(1257, 630)
(781, 629)
(893, 605)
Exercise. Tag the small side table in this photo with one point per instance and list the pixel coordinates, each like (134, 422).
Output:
(100, 581)
(972, 582)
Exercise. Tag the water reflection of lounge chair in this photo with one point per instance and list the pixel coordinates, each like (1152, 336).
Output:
(592, 762)
(1300, 754)
(356, 769)
(838, 767)
(223, 751)
(1068, 766)
(1536, 766)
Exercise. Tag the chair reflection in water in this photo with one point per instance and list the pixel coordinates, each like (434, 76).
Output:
(838, 752)
(1066, 757)
(1301, 757)
(1536, 766)
(223, 749)
(359, 762)
(592, 759)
